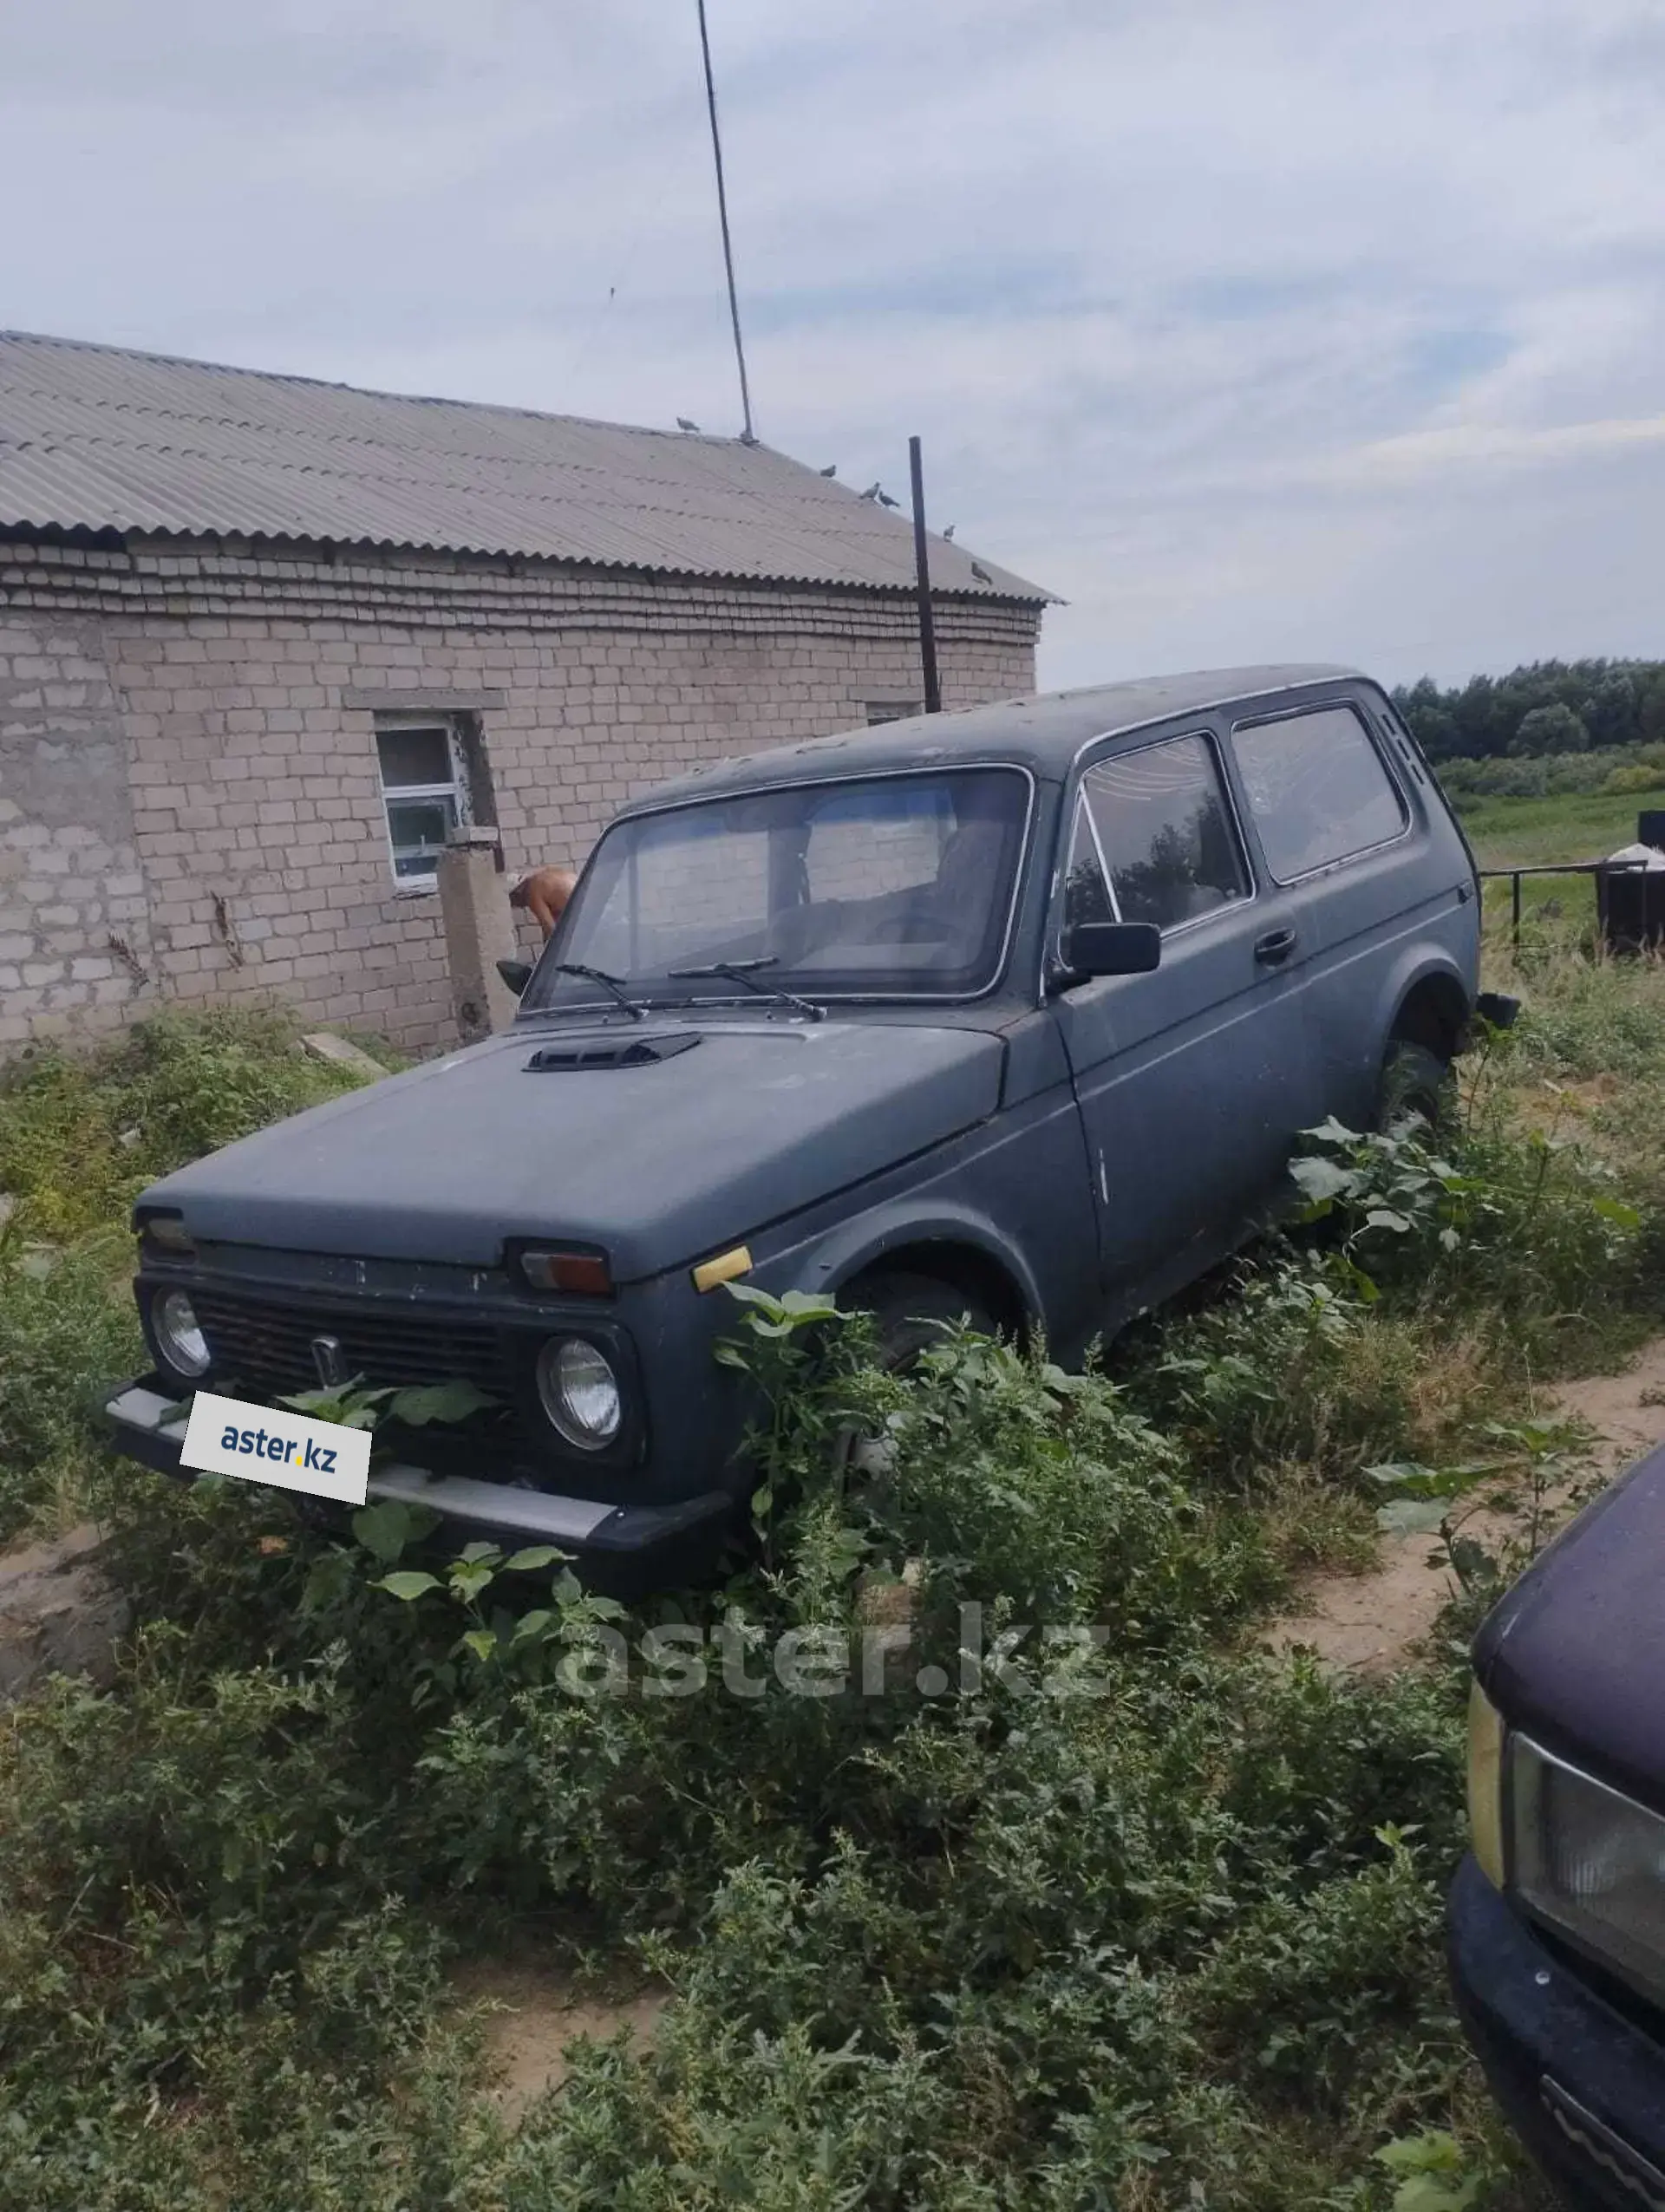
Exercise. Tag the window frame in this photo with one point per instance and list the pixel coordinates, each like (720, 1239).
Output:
(458, 790)
(1115, 750)
(1346, 704)
(976, 763)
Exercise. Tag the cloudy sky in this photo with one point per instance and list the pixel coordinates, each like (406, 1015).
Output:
(1251, 327)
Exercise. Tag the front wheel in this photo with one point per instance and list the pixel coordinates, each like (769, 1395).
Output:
(912, 1312)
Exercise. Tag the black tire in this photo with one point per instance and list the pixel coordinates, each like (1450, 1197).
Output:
(911, 1311)
(1418, 1083)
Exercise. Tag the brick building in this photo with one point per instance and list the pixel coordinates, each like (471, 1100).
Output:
(263, 640)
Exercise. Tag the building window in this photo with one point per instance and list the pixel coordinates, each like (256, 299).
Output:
(425, 789)
(892, 710)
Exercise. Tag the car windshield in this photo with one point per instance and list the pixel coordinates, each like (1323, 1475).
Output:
(892, 885)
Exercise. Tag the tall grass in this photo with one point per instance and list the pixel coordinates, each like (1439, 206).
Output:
(1160, 1932)
(80, 1137)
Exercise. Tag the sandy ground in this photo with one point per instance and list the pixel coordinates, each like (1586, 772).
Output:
(537, 2012)
(1373, 1622)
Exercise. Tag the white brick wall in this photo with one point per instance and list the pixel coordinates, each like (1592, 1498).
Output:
(189, 809)
(75, 941)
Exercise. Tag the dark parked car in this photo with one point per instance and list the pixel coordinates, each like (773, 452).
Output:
(1011, 1013)
(1556, 1918)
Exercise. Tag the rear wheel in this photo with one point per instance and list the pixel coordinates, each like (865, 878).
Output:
(1418, 1085)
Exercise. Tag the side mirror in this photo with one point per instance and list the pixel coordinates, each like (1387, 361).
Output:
(517, 974)
(1112, 949)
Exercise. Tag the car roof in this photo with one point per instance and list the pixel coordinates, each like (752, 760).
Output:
(1042, 734)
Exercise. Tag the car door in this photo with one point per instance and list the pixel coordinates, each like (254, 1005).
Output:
(1339, 835)
(1192, 1079)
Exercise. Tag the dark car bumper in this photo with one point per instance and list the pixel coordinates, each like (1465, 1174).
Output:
(1583, 2086)
(639, 1545)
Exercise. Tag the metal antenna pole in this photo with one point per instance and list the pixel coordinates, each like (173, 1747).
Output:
(746, 434)
(922, 572)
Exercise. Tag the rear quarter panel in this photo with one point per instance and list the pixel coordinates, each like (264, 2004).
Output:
(1376, 925)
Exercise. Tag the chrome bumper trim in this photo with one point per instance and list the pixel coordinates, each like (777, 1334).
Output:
(536, 1513)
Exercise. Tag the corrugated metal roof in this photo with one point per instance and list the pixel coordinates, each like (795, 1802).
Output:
(98, 438)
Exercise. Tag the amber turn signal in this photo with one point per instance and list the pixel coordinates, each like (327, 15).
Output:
(723, 1269)
(1486, 1744)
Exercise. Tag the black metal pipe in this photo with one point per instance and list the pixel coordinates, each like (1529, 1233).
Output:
(922, 571)
(748, 435)
(1602, 870)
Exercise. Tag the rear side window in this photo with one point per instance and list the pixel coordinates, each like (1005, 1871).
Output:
(1317, 790)
(1160, 822)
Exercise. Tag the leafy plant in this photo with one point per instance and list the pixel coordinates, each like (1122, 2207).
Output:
(69, 1330)
(1529, 1224)
(1436, 2173)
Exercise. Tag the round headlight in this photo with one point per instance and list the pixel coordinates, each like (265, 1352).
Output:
(579, 1392)
(179, 1335)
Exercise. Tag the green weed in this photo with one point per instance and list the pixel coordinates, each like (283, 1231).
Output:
(1142, 1921)
(80, 1137)
(67, 1330)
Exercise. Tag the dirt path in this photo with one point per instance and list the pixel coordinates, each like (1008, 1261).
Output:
(1373, 1622)
(537, 2012)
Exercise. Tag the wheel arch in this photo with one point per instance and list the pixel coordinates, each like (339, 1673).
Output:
(1433, 1010)
(958, 1248)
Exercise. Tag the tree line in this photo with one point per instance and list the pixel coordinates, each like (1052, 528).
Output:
(1549, 706)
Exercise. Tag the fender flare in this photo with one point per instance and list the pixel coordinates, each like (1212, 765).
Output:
(1417, 965)
(852, 1247)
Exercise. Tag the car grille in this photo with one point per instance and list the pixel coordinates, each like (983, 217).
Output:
(268, 1347)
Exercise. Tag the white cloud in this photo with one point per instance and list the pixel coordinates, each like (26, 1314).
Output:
(1253, 327)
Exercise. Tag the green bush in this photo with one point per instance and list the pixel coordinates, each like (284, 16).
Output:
(1586, 1018)
(68, 1329)
(1146, 1920)
(1532, 1227)
(1613, 769)
(80, 1137)
(206, 1970)
(1048, 1953)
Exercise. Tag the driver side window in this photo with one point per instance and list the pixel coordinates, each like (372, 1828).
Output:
(1164, 833)
(1086, 893)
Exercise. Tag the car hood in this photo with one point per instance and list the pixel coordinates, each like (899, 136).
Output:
(1575, 1654)
(659, 1164)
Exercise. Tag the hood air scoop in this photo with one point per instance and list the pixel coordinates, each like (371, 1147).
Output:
(574, 1053)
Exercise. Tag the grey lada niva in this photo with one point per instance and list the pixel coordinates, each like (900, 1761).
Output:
(1010, 1013)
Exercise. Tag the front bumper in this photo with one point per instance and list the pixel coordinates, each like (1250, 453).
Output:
(1582, 2085)
(664, 1544)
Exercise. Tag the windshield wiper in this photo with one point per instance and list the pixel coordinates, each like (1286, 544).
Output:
(744, 971)
(612, 983)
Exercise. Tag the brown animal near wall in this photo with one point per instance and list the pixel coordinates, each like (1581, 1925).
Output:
(543, 893)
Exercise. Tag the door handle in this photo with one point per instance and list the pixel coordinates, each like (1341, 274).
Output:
(1276, 945)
